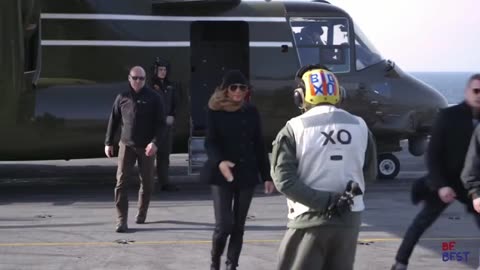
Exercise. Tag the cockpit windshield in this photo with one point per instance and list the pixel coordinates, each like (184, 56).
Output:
(365, 52)
(322, 41)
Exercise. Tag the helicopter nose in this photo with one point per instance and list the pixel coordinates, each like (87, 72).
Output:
(434, 98)
(428, 104)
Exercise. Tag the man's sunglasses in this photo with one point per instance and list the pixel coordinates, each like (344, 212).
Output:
(476, 91)
(135, 78)
(234, 87)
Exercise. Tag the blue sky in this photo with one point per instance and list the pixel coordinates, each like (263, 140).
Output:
(421, 35)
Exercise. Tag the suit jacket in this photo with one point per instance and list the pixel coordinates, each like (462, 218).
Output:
(448, 147)
(471, 170)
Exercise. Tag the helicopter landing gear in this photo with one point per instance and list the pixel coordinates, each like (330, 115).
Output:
(388, 166)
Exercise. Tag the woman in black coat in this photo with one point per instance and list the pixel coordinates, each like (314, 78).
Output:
(237, 162)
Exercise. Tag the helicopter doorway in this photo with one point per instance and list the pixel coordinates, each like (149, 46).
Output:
(216, 47)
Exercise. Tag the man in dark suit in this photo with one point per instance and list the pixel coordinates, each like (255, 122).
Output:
(471, 170)
(445, 158)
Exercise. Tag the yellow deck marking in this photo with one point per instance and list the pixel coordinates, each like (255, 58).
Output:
(191, 242)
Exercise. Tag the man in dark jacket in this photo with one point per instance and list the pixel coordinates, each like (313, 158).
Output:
(471, 170)
(140, 113)
(445, 158)
(167, 91)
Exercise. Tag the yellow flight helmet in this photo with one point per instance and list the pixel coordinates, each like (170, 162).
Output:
(317, 85)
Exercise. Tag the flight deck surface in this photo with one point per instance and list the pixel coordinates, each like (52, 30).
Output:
(60, 215)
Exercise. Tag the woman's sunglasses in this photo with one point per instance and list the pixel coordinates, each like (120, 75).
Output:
(234, 87)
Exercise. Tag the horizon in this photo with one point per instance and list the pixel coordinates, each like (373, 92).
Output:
(415, 43)
(442, 71)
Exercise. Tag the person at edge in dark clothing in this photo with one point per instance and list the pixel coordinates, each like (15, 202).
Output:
(471, 169)
(140, 113)
(167, 90)
(237, 162)
(445, 157)
(314, 158)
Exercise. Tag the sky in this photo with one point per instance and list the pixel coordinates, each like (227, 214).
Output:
(421, 35)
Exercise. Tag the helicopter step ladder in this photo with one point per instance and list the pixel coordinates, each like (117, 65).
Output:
(196, 154)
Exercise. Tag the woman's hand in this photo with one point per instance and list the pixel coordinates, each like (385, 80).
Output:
(269, 187)
(224, 167)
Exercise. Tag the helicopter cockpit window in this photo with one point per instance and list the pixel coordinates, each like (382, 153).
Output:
(322, 41)
(366, 54)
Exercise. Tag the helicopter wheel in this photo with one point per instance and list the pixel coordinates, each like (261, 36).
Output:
(388, 166)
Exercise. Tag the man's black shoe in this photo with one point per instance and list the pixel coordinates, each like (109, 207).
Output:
(121, 228)
(399, 266)
(140, 220)
(169, 187)
(141, 217)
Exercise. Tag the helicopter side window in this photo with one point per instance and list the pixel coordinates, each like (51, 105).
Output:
(322, 41)
(365, 52)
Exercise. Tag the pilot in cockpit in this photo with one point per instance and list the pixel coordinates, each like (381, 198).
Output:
(311, 35)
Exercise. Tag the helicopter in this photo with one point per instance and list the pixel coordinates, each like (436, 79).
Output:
(66, 61)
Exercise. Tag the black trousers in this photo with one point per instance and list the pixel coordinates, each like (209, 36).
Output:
(231, 208)
(432, 209)
(163, 158)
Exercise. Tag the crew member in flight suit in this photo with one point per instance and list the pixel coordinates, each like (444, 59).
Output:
(314, 157)
(167, 90)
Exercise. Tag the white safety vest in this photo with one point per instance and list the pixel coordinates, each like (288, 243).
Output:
(331, 145)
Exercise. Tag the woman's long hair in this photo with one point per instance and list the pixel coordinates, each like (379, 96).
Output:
(219, 101)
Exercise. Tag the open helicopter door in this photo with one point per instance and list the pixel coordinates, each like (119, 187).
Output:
(19, 56)
(216, 47)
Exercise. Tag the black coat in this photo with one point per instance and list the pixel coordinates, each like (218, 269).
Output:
(237, 137)
(141, 117)
(448, 147)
